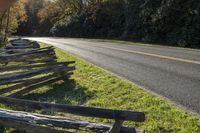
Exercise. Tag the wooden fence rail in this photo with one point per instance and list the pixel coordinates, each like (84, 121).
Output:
(118, 115)
(76, 110)
(35, 119)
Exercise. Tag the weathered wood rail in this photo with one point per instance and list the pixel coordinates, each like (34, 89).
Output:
(25, 65)
(37, 67)
(33, 119)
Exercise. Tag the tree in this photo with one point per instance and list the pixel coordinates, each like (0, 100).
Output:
(53, 11)
(31, 26)
(11, 18)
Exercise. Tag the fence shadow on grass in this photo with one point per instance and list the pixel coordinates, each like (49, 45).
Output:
(68, 92)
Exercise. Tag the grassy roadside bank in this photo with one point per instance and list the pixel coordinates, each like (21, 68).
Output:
(93, 86)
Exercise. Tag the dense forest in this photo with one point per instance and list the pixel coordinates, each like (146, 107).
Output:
(169, 22)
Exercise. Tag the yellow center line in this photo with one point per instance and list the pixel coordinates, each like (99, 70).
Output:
(154, 55)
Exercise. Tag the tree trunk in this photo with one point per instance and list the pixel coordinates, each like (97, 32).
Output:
(7, 25)
(1, 27)
(1, 20)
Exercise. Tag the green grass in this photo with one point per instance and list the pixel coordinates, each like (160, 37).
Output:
(96, 87)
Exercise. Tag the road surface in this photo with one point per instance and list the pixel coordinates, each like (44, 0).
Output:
(170, 72)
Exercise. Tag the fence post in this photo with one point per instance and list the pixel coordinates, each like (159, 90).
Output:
(116, 126)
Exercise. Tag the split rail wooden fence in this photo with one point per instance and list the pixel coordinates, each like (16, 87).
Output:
(25, 65)
(37, 67)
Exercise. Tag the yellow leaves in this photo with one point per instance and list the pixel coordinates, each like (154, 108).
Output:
(18, 11)
(51, 10)
(16, 16)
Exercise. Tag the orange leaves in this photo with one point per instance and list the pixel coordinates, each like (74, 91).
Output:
(17, 14)
(51, 11)
(18, 11)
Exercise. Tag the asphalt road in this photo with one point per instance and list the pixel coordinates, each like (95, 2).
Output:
(170, 72)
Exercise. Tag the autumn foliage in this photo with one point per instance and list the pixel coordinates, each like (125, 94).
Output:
(11, 18)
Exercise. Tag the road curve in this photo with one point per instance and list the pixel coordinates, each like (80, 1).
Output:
(170, 72)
